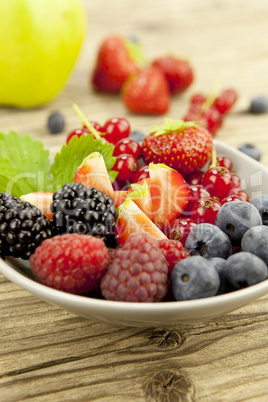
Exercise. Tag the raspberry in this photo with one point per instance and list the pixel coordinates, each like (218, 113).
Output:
(173, 251)
(73, 262)
(138, 273)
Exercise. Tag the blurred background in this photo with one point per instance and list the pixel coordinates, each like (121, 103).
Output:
(224, 40)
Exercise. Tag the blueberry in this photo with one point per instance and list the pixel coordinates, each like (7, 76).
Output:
(208, 241)
(137, 135)
(259, 105)
(261, 203)
(251, 150)
(255, 241)
(219, 264)
(245, 269)
(235, 218)
(55, 123)
(194, 278)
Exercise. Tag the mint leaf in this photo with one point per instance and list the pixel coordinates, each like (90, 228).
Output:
(72, 155)
(24, 164)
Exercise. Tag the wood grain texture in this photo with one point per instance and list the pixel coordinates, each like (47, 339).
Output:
(47, 354)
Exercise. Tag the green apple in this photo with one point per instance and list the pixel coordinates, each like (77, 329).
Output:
(40, 42)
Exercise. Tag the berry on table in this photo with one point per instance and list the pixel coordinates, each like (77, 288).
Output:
(261, 203)
(244, 269)
(127, 146)
(251, 150)
(194, 278)
(147, 92)
(56, 123)
(225, 101)
(84, 210)
(115, 129)
(126, 166)
(178, 73)
(208, 241)
(23, 227)
(73, 263)
(137, 273)
(235, 218)
(258, 105)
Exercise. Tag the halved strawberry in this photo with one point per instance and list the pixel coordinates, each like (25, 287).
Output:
(41, 200)
(163, 196)
(131, 219)
(184, 146)
(119, 197)
(93, 173)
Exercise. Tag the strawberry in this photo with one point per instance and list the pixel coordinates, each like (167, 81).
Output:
(163, 196)
(131, 219)
(117, 58)
(178, 73)
(183, 146)
(147, 92)
(93, 173)
(41, 200)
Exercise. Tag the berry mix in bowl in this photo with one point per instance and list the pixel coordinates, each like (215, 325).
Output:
(179, 237)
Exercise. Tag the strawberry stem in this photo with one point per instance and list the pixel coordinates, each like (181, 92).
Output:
(172, 126)
(84, 119)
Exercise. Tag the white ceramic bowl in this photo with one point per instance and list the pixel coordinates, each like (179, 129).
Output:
(255, 180)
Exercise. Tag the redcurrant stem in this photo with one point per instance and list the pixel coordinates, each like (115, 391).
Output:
(84, 119)
(213, 162)
(213, 95)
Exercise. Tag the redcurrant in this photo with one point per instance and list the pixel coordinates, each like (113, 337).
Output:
(96, 125)
(225, 101)
(196, 193)
(230, 198)
(141, 174)
(205, 210)
(115, 129)
(240, 193)
(218, 181)
(179, 229)
(225, 161)
(194, 178)
(77, 133)
(127, 146)
(126, 167)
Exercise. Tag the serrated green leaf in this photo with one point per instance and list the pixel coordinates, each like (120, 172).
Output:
(24, 163)
(72, 155)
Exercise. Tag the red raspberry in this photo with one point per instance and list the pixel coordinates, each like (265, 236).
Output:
(138, 273)
(73, 263)
(173, 251)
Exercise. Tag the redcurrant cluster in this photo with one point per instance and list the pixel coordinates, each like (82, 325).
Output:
(208, 192)
(210, 111)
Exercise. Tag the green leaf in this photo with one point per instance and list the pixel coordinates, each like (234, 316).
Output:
(72, 155)
(24, 164)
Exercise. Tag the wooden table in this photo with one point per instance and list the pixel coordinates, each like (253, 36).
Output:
(47, 354)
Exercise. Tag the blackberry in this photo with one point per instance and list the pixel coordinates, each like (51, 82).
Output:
(84, 210)
(23, 227)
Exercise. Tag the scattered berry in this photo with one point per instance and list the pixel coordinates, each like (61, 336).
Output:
(138, 272)
(73, 263)
(235, 218)
(23, 227)
(173, 251)
(194, 278)
(245, 269)
(225, 101)
(56, 122)
(251, 150)
(147, 92)
(259, 105)
(208, 241)
(84, 210)
(261, 203)
(178, 73)
(115, 129)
